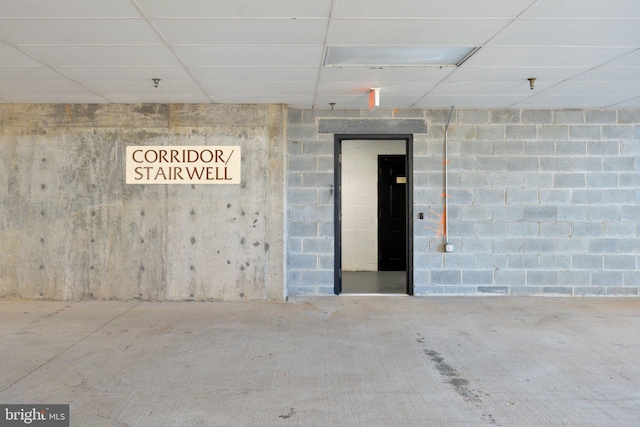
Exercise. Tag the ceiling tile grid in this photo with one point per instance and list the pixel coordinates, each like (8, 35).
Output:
(583, 53)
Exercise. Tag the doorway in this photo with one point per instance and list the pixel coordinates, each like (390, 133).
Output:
(373, 212)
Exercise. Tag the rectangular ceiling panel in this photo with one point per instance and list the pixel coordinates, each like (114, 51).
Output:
(11, 57)
(124, 74)
(68, 8)
(235, 8)
(512, 56)
(77, 31)
(103, 56)
(431, 9)
(570, 32)
(580, 9)
(255, 74)
(255, 56)
(243, 31)
(425, 32)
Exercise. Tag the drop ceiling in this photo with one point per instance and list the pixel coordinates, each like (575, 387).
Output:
(583, 53)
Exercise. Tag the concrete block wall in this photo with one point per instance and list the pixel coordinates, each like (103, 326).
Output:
(542, 202)
(72, 229)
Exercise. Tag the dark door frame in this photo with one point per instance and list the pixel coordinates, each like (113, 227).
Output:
(338, 138)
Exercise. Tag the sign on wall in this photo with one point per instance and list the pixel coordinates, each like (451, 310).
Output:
(183, 164)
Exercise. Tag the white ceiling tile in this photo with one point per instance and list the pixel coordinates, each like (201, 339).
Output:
(387, 89)
(500, 74)
(596, 88)
(611, 74)
(68, 8)
(55, 98)
(571, 101)
(27, 74)
(145, 87)
(576, 9)
(257, 56)
(505, 88)
(385, 74)
(406, 32)
(431, 9)
(499, 101)
(235, 8)
(631, 59)
(294, 101)
(41, 87)
(629, 103)
(11, 57)
(249, 88)
(159, 98)
(103, 56)
(77, 31)
(243, 31)
(570, 32)
(255, 74)
(512, 56)
(124, 74)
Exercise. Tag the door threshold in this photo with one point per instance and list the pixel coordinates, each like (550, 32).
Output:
(372, 295)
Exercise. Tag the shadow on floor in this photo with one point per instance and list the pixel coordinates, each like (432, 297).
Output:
(374, 282)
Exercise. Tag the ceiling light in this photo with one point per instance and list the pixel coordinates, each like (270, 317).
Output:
(378, 56)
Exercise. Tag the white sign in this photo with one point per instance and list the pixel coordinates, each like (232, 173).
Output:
(183, 164)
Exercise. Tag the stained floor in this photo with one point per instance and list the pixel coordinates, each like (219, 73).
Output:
(328, 361)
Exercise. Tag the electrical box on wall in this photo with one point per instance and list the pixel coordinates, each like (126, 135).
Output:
(448, 247)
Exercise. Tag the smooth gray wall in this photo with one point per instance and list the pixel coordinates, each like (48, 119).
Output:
(541, 201)
(72, 229)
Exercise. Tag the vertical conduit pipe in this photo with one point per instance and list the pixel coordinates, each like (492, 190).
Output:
(446, 184)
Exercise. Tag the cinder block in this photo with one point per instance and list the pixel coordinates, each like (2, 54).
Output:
(302, 261)
(522, 229)
(508, 148)
(603, 246)
(620, 262)
(321, 213)
(508, 246)
(571, 213)
(537, 116)
(574, 278)
(586, 229)
(601, 116)
(619, 164)
(318, 180)
(606, 278)
(510, 277)
(585, 132)
(317, 245)
(631, 278)
(622, 291)
(619, 229)
(523, 164)
(476, 213)
(620, 197)
(446, 277)
(459, 260)
(539, 180)
(602, 213)
(555, 229)
(493, 289)
(553, 132)
(473, 116)
(521, 132)
(602, 180)
(303, 164)
(554, 197)
(302, 196)
(587, 262)
(586, 197)
(492, 261)
(540, 213)
(540, 245)
(477, 245)
(570, 180)
(629, 180)
(571, 148)
(603, 148)
(568, 116)
(540, 148)
(476, 148)
(542, 278)
(572, 245)
(508, 213)
(318, 278)
(303, 229)
(491, 197)
(491, 163)
(429, 261)
(617, 131)
(630, 213)
(522, 196)
(477, 277)
(525, 290)
(587, 164)
(460, 290)
(557, 290)
(490, 229)
(504, 116)
(490, 133)
(523, 262)
(626, 116)
(475, 179)
(554, 261)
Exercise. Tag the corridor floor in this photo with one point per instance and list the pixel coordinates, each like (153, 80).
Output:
(328, 361)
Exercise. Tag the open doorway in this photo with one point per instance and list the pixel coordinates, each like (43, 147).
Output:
(373, 214)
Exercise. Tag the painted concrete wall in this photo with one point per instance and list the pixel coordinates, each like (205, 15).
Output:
(360, 201)
(541, 201)
(72, 229)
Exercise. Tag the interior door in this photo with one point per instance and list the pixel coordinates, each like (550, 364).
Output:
(392, 213)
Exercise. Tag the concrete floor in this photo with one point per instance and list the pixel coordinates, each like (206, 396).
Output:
(374, 282)
(328, 361)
